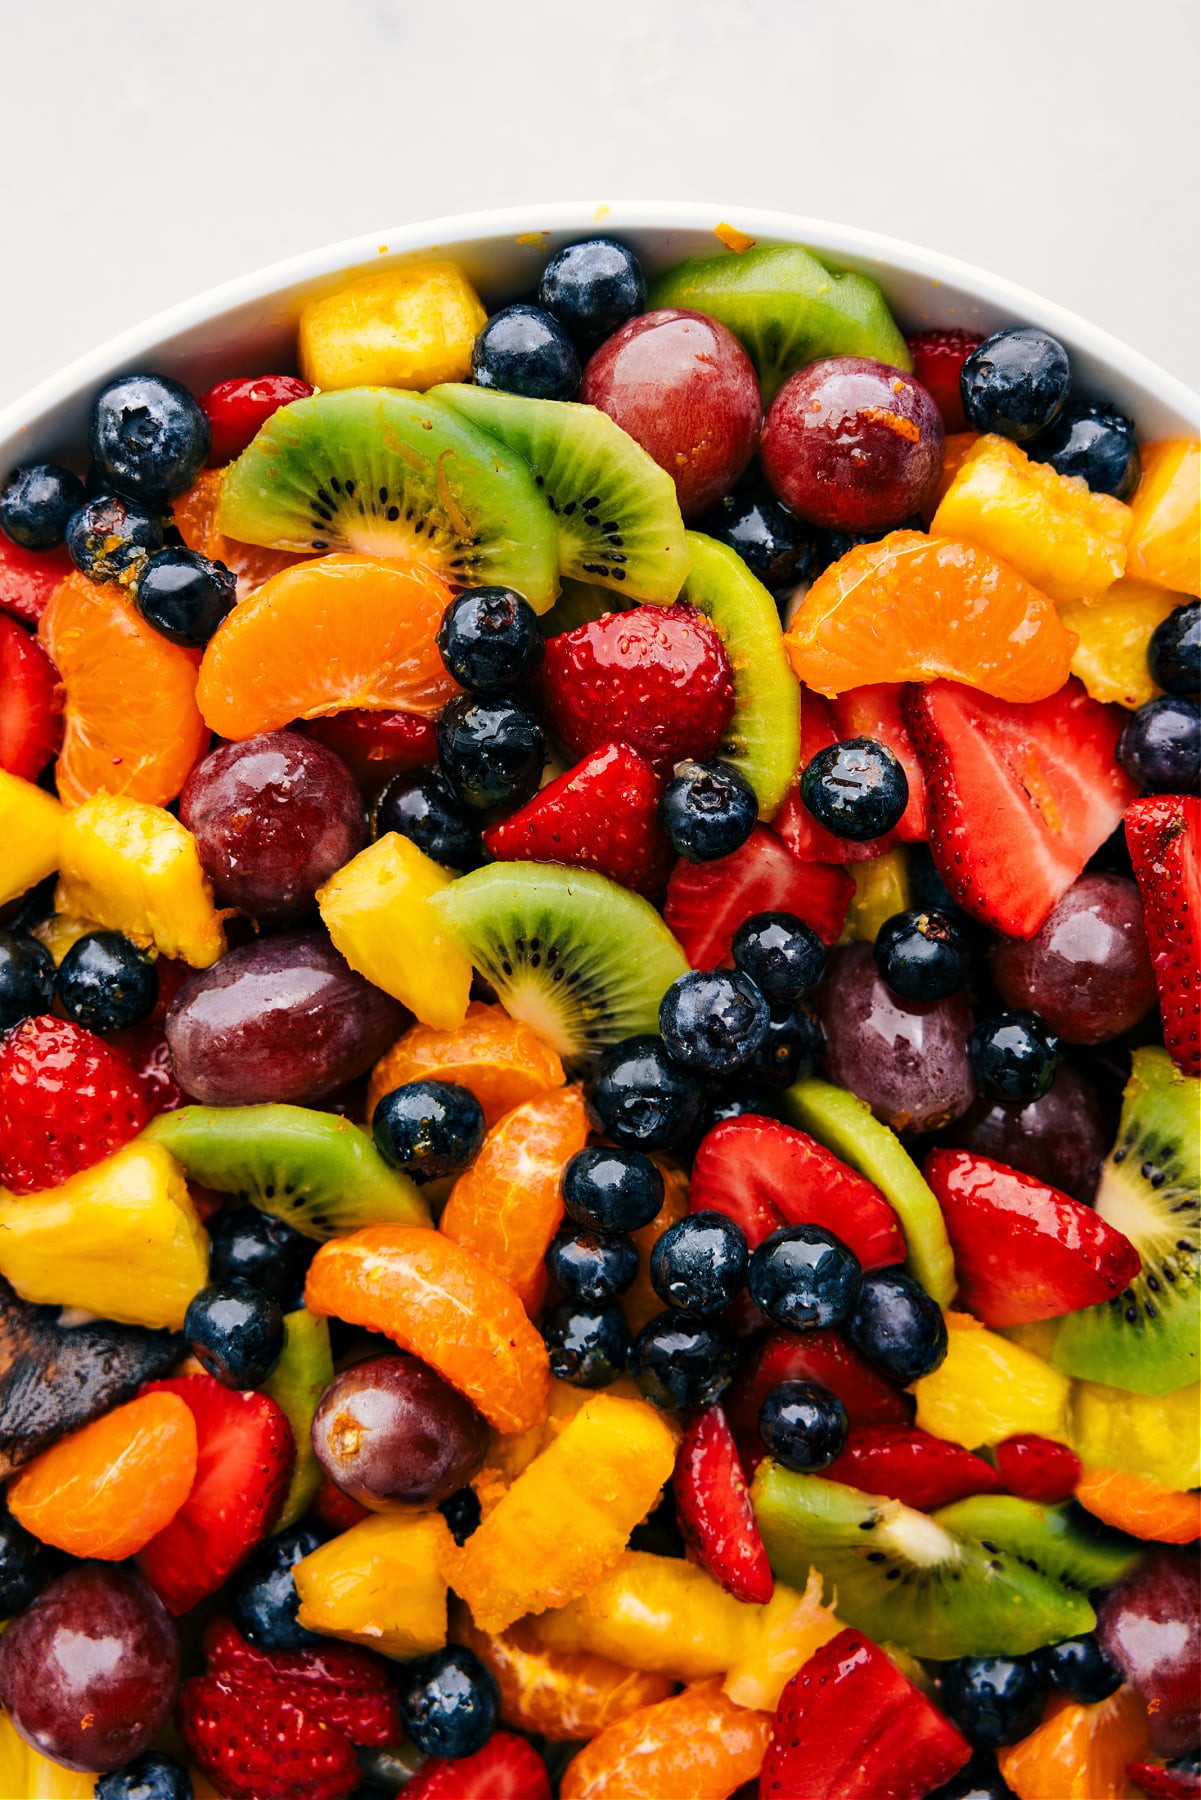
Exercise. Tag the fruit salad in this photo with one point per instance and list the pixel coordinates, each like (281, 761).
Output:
(600, 1058)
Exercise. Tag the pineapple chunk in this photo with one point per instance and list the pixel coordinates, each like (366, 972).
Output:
(380, 1584)
(1114, 632)
(1164, 546)
(134, 868)
(1146, 1434)
(121, 1239)
(988, 1388)
(24, 1771)
(61, 930)
(375, 911)
(405, 328)
(31, 823)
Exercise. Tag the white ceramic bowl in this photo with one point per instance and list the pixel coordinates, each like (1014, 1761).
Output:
(249, 326)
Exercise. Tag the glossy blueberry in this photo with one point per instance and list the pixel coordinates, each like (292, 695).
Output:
(735, 1101)
(1174, 653)
(110, 534)
(524, 350)
(462, 1513)
(1160, 745)
(1016, 383)
(708, 810)
(26, 977)
(831, 546)
(263, 1597)
(803, 1277)
(588, 1346)
(592, 1266)
(1095, 442)
(148, 436)
(489, 638)
(420, 806)
(774, 545)
(791, 1047)
(713, 1020)
(35, 504)
(612, 1190)
(857, 789)
(428, 1128)
(235, 1331)
(492, 752)
(185, 596)
(449, 1702)
(248, 1245)
(26, 1565)
(643, 1099)
(994, 1700)
(1013, 1056)
(149, 1777)
(680, 1361)
(803, 1425)
(106, 983)
(699, 1264)
(898, 1326)
(1080, 1668)
(920, 956)
(783, 956)
(979, 1779)
(592, 288)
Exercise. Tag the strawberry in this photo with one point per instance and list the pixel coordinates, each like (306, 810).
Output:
(875, 712)
(763, 1174)
(1024, 1251)
(938, 357)
(707, 902)
(237, 409)
(603, 815)
(375, 746)
(251, 1751)
(1167, 1781)
(1163, 832)
(507, 1768)
(28, 578)
(31, 703)
(909, 1465)
(657, 679)
(246, 1452)
(850, 1726)
(714, 1508)
(336, 1509)
(1037, 1468)
(67, 1100)
(349, 1688)
(794, 822)
(1019, 796)
(823, 1356)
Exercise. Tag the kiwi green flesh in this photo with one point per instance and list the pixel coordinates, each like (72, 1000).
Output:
(786, 308)
(581, 603)
(303, 1372)
(1146, 1339)
(1064, 1543)
(581, 959)
(845, 1124)
(901, 1575)
(316, 1171)
(615, 509)
(394, 474)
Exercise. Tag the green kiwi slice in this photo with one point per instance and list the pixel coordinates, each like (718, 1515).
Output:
(1063, 1543)
(303, 1372)
(396, 474)
(616, 511)
(318, 1172)
(904, 1576)
(582, 960)
(1146, 1339)
(786, 308)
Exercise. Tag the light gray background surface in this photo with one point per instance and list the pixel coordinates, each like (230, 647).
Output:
(153, 148)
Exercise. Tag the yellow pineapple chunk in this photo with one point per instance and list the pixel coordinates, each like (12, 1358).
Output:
(403, 328)
(24, 1771)
(1114, 632)
(61, 930)
(988, 1388)
(122, 1239)
(1154, 1435)
(134, 868)
(380, 1584)
(1165, 544)
(31, 823)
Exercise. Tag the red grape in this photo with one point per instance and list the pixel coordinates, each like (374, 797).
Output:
(1087, 970)
(390, 1432)
(1061, 1139)
(377, 745)
(1150, 1626)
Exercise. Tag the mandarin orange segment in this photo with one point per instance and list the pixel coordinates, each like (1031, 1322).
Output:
(914, 608)
(333, 633)
(132, 725)
(697, 1744)
(1165, 544)
(640, 1303)
(503, 1061)
(444, 1304)
(196, 519)
(1144, 1508)
(106, 1490)
(1080, 1752)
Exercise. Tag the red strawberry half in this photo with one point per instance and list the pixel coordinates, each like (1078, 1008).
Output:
(67, 1100)
(256, 1746)
(909, 1465)
(938, 357)
(875, 712)
(28, 578)
(714, 1508)
(794, 822)
(1019, 797)
(507, 1768)
(376, 745)
(1164, 836)
(824, 1356)
(707, 902)
(31, 703)
(602, 815)
(1024, 1251)
(349, 1688)
(1037, 1468)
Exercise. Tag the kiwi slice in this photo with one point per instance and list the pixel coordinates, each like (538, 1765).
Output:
(581, 603)
(1146, 1339)
(316, 1171)
(786, 308)
(582, 960)
(846, 1125)
(303, 1372)
(396, 474)
(901, 1575)
(1063, 1543)
(615, 509)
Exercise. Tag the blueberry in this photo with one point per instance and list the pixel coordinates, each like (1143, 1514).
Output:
(708, 810)
(680, 1362)
(612, 1190)
(449, 1702)
(792, 1044)
(1014, 1056)
(26, 977)
(420, 806)
(994, 1700)
(1016, 382)
(263, 1597)
(592, 288)
(1160, 745)
(643, 1099)
(898, 1326)
(857, 789)
(803, 1425)
(110, 535)
(492, 752)
(783, 956)
(774, 545)
(523, 350)
(149, 1777)
(235, 1331)
(832, 546)
(149, 437)
(589, 1346)
(699, 1264)
(106, 983)
(462, 1513)
(1174, 653)
(185, 596)
(428, 1128)
(35, 504)
(489, 639)
(803, 1277)
(253, 1246)
(1095, 442)
(979, 1779)
(919, 956)
(713, 1020)
(1080, 1668)
(592, 1266)
(26, 1565)
(735, 1102)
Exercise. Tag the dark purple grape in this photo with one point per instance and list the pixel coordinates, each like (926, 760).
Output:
(1087, 970)
(390, 1432)
(1061, 1139)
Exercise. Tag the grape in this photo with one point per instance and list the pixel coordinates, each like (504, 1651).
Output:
(907, 1059)
(685, 389)
(273, 818)
(284, 1018)
(390, 1432)
(1087, 970)
(1061, 1139)
(852, 444)
(89, 1673)
(1150, 1626)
